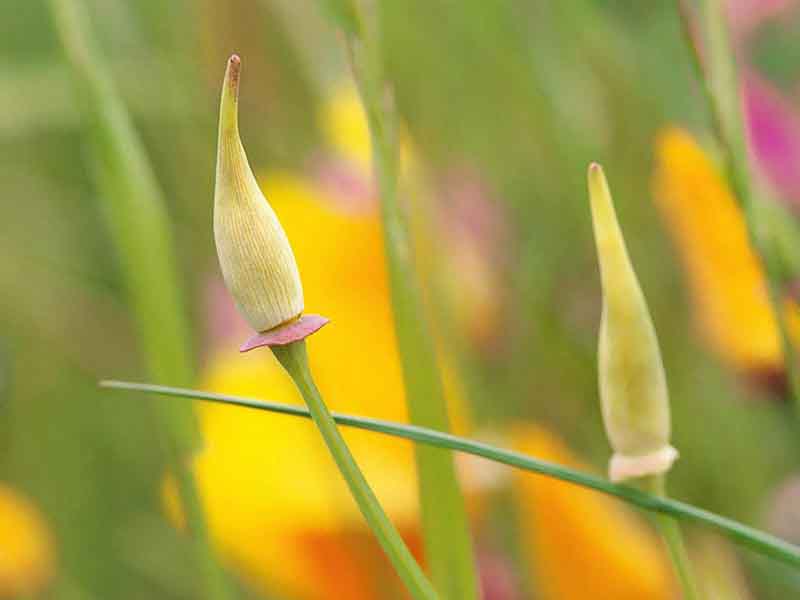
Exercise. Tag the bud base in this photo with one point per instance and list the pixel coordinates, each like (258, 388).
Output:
(623, 466)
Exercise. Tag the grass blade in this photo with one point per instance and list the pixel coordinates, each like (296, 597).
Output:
(748, 537)
(445, 527)
(135, 212)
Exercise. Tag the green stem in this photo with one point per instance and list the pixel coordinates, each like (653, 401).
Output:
(445, 525)
(721, 91)
(696, 57)
(756, 540)
(135, 212)
(671, 532)
(294, 359)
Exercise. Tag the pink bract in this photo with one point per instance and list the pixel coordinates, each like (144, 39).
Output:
(286, 334)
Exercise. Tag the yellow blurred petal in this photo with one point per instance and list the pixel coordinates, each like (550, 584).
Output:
(270, 486)
(27, 561)
(726, 278)
(582, 544)
(339, 253)
(344, 272)
(344, 124)
(276, 502)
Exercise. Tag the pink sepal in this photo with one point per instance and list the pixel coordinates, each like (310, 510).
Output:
(286, 334)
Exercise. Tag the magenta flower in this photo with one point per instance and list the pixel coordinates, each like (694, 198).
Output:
(774, 133)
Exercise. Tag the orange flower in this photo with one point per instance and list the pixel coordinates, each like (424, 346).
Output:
(27, 562)
(583, 544)
(725, 276)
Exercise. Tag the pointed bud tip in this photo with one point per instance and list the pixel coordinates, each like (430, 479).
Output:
(228, 117)
(595, 172)
(233, 70)
(599, 193)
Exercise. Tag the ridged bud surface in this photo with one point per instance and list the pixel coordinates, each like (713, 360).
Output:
(256, 259)
(633, 387)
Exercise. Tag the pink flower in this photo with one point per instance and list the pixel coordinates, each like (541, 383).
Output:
(774, 134)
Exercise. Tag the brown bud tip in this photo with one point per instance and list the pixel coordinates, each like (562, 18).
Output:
(234, 67)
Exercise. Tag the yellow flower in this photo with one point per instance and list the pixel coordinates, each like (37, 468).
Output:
(277, 506)
(725, 276)
(276, 503)
(584, 545)
(27, 561)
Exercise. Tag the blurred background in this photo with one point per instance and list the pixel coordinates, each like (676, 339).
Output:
(503, 105)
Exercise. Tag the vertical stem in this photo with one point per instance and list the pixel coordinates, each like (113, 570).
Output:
(445, 525)
(692, 41)
(671, 533)
(721, 90)
(135, 213)
(294, 359)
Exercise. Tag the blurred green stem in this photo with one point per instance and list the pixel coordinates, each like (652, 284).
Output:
(673, 539)
(720, 81)
(135, 212)
(294, 359)
(743, 535)
(445, 526)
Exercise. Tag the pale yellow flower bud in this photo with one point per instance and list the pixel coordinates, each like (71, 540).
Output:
(633, 387)
(254, 254)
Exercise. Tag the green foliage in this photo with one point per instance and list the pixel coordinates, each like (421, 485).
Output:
(525, 94)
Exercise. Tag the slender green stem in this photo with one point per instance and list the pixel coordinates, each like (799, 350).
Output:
(294, 359)
(671, 532)
(721, 90)
(445, 525)
(725, 93)
(756, 540)
(135, 213)
(690, 37)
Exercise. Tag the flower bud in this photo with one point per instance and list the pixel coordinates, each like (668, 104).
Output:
(633, 387)
(256, 260)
